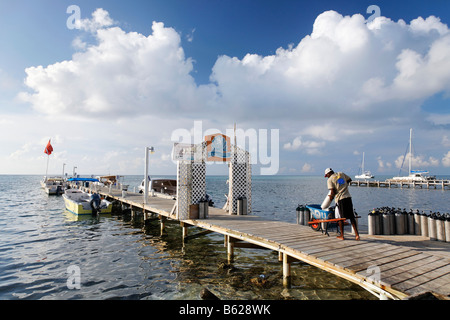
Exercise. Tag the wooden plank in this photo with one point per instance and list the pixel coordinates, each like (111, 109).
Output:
(335, 249)
(439, 275)
(395, 266)
(359, 255)
(413, 269)
(352, 253)
(380, 259)
(341, 249)
(290, 238)
(315, 242)
(439, 285)
(384, 268)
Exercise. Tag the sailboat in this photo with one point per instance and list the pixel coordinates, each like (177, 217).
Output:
(414, 175)
(364, 174)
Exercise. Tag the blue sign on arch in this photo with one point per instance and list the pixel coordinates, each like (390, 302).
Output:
(218, 147)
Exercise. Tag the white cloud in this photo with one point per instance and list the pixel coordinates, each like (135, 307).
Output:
(445, 141)
(344, 69)
(307, 168)
(418, 162)
(100, 19)
(125, 74)
(383, 165)
(446, 160)
(311, 147)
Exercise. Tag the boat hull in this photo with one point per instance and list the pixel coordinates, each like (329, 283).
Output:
(53, 186)
(84, 207)
(363, 176)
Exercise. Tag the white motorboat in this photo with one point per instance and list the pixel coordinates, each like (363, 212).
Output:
(165, 187)
(82, 203)
(53, 185)
(161, 185)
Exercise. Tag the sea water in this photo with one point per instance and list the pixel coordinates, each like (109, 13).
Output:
(49, 253)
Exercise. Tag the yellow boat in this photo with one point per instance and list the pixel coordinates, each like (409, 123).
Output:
(82, 203)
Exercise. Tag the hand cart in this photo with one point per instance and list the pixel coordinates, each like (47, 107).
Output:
(321, 219)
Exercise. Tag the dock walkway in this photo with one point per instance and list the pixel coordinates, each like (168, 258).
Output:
(388, 270)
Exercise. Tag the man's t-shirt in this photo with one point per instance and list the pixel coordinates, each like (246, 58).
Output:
(338, 182)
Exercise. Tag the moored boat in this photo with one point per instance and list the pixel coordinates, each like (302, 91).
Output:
(53, 185)
(82, 203)
(364, 174)
(413, 175)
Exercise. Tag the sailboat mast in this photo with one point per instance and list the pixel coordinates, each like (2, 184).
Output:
(410, 150)
(362, 169)
(46, 170)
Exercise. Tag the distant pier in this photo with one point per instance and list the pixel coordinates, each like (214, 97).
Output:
(392, 183)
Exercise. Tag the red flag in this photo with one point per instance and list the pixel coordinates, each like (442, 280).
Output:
(48, 149)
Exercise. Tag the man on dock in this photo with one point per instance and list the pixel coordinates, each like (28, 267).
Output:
(338, 184)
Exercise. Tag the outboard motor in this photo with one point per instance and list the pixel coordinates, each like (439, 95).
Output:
(95, 203)
(209, 200)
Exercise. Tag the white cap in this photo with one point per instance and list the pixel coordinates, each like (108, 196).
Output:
(328, 170)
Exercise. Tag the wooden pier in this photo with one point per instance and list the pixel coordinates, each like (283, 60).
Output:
(391, 183)
(387, 270)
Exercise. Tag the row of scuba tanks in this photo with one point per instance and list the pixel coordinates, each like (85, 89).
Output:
(392, 221)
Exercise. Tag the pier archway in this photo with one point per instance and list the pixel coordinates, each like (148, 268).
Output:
(191, 173)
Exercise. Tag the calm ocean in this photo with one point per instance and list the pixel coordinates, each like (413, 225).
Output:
(117, 258)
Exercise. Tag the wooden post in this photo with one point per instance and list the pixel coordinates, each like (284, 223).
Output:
(163, 223)
(286, 271)
(184, 230)
(230, 250)
(225, 241)
(145, 214)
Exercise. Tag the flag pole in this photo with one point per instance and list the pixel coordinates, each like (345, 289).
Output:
(46, 171)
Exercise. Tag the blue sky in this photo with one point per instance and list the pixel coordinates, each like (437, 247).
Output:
(265, 65)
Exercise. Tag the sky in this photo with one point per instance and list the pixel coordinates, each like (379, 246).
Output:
(308, 84)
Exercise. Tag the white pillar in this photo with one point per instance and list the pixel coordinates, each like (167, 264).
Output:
(146, 176)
